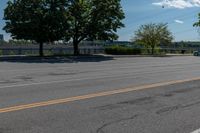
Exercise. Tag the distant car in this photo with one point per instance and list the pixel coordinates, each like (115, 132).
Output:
(196, 53)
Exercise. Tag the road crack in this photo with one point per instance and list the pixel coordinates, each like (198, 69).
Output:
(101, 129)
(176, 107)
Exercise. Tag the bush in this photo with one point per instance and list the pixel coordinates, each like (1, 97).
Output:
(157, 51)
(120, 50)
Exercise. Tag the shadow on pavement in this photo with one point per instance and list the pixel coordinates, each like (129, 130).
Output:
(55, 59)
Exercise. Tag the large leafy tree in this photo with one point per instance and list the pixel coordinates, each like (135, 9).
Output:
(38, 20)
(152, 35)
(94, 20)
(76, 20)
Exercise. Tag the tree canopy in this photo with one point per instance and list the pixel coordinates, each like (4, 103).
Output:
(38, 20)
(94, 20)
(52, 20)
(152, 35)
(197, 24)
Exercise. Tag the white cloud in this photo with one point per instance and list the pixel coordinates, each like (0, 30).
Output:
(180, 4)
(178, 21)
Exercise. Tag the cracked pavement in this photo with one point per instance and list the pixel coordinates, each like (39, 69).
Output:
(167, 109)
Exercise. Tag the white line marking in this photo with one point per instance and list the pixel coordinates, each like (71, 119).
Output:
(196, 131)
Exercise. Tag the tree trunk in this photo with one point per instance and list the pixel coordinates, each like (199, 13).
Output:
(148, 50)
(76, 48)
(41, 49)
(152, 50)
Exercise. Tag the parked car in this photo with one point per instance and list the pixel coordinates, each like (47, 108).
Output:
(196, 53)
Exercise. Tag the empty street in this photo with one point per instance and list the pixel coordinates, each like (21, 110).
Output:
(100, 94)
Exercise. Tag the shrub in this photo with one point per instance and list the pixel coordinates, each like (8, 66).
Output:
(157, 51)
(120, 50)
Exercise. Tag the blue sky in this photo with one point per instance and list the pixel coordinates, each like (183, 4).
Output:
(179, 14)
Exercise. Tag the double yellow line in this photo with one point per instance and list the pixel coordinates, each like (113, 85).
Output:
(93, 95)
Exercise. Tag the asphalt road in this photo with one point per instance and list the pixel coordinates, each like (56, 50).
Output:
(172, 108)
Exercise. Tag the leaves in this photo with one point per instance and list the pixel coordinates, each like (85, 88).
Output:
(51, 20)
(95, 19)
(197, 24)
(152, 35)
(39, 20)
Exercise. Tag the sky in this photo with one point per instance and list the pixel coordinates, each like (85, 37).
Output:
(179, 14)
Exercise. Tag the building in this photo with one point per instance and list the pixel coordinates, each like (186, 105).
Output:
(1, 37)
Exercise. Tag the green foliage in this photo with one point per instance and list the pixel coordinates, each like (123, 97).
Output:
(94, 20)
(157, 51)
(197, 24)
(3, 42)
(20, 42)
(12, 52)
(52, 20)
(152, 35)
(48, 52)
(119, 50)
(38, 20)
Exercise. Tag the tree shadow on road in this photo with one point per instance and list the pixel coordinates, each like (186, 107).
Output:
(55, 59)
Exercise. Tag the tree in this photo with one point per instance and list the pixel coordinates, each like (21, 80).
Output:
(19, 42)
(197, 24)
(152, 35)
(51, 20)
(94, 20)
(38, 20)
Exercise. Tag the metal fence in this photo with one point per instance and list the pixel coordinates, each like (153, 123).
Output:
(49, 50)
(68, 50)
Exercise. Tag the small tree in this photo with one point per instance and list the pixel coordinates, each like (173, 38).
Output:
(152, 35)
(94, 20)
(38, 20)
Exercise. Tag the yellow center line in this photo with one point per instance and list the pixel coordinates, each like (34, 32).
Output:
(93, 95)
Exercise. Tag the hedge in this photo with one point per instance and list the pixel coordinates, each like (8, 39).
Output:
(120, 50)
